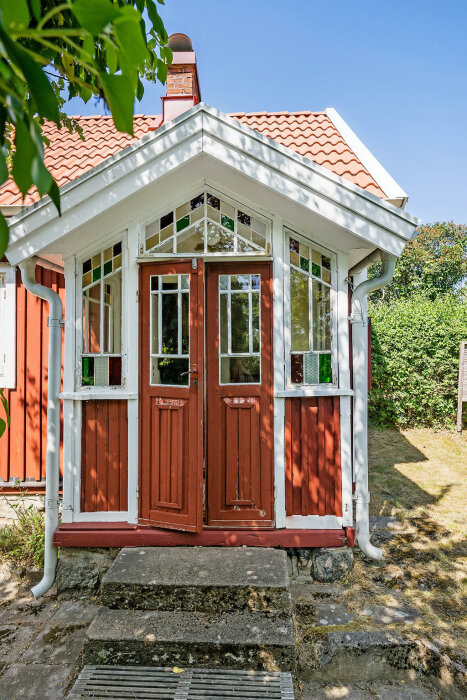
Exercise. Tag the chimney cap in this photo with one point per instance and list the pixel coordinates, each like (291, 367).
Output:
(180, 42)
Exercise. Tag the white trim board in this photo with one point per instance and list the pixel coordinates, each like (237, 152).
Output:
(393, 191)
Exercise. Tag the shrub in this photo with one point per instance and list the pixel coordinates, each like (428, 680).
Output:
(22, 542)
(415, 360)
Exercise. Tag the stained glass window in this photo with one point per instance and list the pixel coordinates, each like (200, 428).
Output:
(311, 279)
(101, 283)
(207, 224)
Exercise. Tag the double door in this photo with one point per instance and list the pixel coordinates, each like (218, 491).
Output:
(206, 417)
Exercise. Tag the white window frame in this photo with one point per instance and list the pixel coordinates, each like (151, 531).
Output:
(89, 252)
(312, 243)
(7, 327)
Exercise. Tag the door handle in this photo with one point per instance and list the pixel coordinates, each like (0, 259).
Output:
(190, 371)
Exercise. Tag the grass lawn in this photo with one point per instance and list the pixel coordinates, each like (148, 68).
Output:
(419, 476)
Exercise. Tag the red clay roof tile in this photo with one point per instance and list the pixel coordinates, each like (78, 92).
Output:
(310, 134)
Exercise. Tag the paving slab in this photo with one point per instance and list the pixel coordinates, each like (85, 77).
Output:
(161, 638)
(388, 614)
(73, 612)
(316, 590)
(403, 690)
(14, 639)
(57, 644)
(36, 682)
(332, 614)
(209, 579)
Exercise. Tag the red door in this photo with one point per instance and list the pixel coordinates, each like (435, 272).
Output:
(239, 433)
(171, 395)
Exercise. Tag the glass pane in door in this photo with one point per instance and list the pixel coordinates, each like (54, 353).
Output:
(239, 329)
(170, 330)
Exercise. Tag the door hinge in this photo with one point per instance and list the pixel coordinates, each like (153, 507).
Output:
(194, 263)
(137, 296)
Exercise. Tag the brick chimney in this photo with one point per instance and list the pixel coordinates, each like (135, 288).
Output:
(182, 79)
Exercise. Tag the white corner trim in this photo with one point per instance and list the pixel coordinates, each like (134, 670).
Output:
(7, 327)
(387, 183)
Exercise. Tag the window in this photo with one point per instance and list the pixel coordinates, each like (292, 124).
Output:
(7, 326)
(170, 329)
(311, 279)
(207, 224)
(239, 329)
(101, 284)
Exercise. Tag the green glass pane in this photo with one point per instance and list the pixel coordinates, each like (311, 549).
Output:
(96, 274)
(107, 267)
(227, 222)
(88, 371)
(316, 270)
(325, 370)
(183, 223)
(304, 264)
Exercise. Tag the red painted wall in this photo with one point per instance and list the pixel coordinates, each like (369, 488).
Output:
(313, 456)
(23, 446)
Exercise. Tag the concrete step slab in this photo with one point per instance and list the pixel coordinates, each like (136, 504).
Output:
(168, 638)
(210, 579)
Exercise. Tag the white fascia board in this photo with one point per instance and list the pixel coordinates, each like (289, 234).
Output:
(392, 190)
(205, 130)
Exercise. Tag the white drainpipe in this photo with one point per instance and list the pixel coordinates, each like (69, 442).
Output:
(55, 323)
(359, 320)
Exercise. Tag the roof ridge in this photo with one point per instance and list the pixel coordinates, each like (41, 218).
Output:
(285, 113)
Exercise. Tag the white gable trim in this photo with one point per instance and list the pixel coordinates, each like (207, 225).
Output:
(393, 191)
(7, 327)
(205, 131)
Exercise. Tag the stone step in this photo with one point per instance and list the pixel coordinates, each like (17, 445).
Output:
(202, 579)
(174, 638)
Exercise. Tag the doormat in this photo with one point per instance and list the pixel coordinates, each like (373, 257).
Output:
(139, 682)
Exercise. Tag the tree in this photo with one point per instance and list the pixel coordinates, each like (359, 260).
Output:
(433, 263)
(51, 51)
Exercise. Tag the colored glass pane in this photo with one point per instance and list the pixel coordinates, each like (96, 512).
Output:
(117, 262)
(115, 371)
(325, 369)
(87, 266)
(96, 261)
(326, 275)
(88, 371)
(326, 262)
(107, 267)
(167, 220)
(304, 263)
(183, 223)
(197, 202)
(294, 258)
(214, 202)
(296, 367)
(87, 278)
(259, 239)
(243, 218)
(108, 254)
(316, 257)
(315, 270)
(96, 274)
(244, 231)
(152, 241)
(227, 222)
(182, 211)
(294, 245)
(304, 250)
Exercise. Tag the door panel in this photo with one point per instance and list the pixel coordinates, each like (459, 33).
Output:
(239, 433)
(171, 395)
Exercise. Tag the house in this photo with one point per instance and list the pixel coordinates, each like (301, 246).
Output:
(214, 391)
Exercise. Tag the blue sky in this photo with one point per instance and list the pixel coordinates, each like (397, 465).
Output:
(395, 71)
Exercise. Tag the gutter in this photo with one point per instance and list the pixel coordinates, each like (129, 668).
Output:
(359, 320)
(55, 323)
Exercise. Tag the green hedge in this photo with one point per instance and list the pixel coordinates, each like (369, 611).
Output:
(415, 360)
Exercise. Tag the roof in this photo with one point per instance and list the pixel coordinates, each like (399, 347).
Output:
(310, 134)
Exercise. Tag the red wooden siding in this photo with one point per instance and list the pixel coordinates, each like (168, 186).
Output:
(104, 456)
(23, 446)
(312, 456)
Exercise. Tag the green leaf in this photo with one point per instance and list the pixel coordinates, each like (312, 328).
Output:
(2, 427)
(162, 69)
(3, 166)
(111, 56)
(54, 194)
(5, 406)
(15, 14)
(41, 176)
(87, 49)
(156, 20)
(94, 15)
(38, 84)
(36, 8)
(4, 237)
(119, 95)
(130, 38)
(25, 152)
